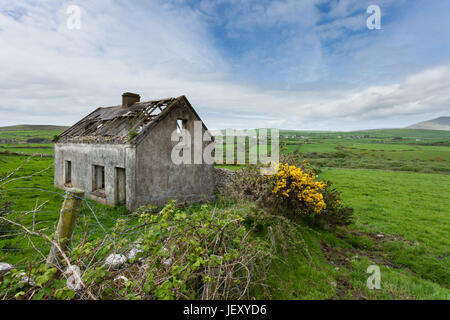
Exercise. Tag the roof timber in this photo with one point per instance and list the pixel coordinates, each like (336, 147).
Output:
(115, 124)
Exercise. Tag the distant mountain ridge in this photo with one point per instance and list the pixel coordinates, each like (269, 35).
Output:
(441, 123)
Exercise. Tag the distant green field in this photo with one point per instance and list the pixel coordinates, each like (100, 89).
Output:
(373, 134)
(22, 133)
(27, 148)
(402, 152)
(28, 139)
(33, 127)
(375, 149)
(318, 147)
(23, 136)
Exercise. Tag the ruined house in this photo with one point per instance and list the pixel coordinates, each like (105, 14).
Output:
(122, 154)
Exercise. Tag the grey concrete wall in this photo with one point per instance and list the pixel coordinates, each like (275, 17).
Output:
(85, 156)
(158, 178)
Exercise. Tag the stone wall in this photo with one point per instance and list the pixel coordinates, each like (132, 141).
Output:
(222, 178)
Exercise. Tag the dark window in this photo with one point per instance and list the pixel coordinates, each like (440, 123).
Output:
(68, 172)
(99, 178)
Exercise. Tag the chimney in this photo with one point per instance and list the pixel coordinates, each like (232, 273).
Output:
(128, 99)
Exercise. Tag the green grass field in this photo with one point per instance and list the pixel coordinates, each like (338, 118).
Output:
(384, 134)
(21, 133)
(411, 210)
(406, 235)
(28, 139)
(398, 188)
(34, 187)
(28, 148)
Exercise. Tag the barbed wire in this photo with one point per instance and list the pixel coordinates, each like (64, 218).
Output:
(103, 221)
(18, 247)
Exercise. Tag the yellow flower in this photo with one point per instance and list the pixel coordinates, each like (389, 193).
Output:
(294, 183)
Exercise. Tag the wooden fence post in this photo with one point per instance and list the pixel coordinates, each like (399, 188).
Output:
(67, 217)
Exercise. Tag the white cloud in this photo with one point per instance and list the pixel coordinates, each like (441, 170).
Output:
(421, 95)
(54, 75)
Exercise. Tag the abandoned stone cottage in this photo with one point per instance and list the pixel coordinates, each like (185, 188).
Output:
(122, 154)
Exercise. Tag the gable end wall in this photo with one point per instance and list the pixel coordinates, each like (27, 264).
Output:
(158, 178)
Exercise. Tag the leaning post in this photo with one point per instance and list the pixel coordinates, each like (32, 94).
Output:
(67, 217)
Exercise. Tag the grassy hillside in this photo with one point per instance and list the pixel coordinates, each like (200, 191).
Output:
(412, 253)
(33, 127)
(421, 225)
(26, 134)
(396, 180)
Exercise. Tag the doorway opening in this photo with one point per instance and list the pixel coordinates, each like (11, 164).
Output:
(121, 189)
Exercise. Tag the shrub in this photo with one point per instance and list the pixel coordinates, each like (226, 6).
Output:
(131, 135)
(293, 191)
(340, 154)
(335, 213)
(297, 191)
(248, 183)
(205, 253)
(201, 252)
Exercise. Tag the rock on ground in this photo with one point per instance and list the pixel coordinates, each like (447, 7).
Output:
(123, 278)
(74, 277)
(5, 268)
(135, 250)
(115, 261)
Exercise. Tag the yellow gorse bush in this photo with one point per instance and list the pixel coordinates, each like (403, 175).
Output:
(295, 184)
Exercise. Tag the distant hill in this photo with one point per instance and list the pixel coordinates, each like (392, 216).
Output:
(28, 127)
(441, 123)
(28, 133)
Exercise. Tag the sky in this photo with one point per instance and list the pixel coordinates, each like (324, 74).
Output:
(290, 64)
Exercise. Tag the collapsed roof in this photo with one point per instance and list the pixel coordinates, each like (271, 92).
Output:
(119, 124)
